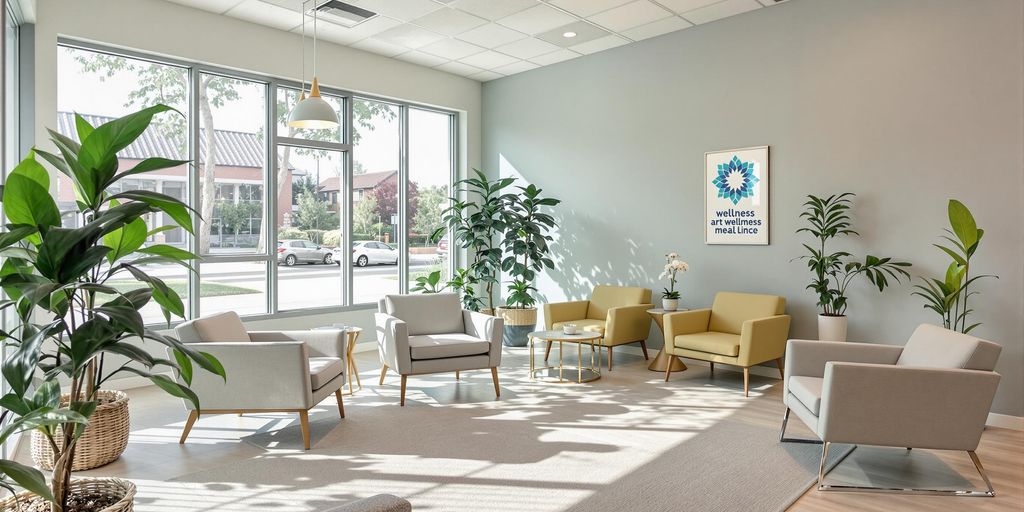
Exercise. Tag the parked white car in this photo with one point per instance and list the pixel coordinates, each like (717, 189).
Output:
(369, 252)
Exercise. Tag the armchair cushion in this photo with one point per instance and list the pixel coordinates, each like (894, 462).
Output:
(731, 309)
(932, 346)
(224, 327)
(585, 324)
(443, 346)
(436, 313)
(605, 297)
(323, 369)
(712, 342)
(808, 391)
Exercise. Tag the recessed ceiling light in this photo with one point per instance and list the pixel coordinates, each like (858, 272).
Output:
(569, 34)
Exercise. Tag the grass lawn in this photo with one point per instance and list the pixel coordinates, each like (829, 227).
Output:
(206, 289)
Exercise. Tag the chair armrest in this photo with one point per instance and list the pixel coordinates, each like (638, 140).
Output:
(807, 358)
(393, 342)
(319, 342)
(260, 375)
(627, 324)
(565, 311)
(685, 322)
(763, 339)
(887, 405)
(490, 328)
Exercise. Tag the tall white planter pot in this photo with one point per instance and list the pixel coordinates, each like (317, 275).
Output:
(831, 328)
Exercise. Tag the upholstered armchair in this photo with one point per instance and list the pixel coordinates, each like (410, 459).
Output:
(740, 329)
(935, 392)
(267, 371)
(431, 333)
(619, 313)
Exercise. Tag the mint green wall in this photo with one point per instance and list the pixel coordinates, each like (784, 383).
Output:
(906, 103)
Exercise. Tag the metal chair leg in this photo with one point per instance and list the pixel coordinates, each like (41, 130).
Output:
(784, 439)
(989, 491)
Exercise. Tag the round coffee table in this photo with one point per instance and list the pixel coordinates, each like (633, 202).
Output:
(578, 373)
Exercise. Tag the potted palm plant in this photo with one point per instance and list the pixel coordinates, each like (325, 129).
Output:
(57, 281)
(833, 272)
(526, 248)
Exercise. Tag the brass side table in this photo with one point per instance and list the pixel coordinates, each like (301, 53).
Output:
(662, 360)
(582, 373)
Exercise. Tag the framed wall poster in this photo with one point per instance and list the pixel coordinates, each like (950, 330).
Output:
(736, 196)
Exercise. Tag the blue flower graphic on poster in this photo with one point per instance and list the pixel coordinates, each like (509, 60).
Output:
(735, 180)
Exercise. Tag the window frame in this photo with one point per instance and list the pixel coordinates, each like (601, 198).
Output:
(270, 144)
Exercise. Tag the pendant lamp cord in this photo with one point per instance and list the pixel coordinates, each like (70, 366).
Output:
(303, 74)
(314, 39)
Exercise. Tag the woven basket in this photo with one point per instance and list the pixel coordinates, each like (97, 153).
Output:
(125, 490)
(104, 440)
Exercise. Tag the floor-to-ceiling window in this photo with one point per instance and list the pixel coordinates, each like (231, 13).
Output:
(9, 155)
(292, 219)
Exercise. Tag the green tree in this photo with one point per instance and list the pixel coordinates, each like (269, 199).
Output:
(313, 214)
(234, 216)
(305, 184)
(364, 215)
(429, 205)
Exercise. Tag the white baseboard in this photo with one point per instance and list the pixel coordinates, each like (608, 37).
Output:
(994, 419)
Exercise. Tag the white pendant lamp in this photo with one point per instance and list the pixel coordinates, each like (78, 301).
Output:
(312, 112)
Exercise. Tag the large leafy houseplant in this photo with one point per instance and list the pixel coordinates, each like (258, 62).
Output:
(834, 272)
(948, 296)
(57, 281)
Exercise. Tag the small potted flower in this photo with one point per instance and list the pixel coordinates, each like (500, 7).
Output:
(670, 296)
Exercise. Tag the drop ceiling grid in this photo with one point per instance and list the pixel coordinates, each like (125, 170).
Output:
(488, 39)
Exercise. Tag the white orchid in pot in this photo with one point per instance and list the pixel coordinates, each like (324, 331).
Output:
(673, 266)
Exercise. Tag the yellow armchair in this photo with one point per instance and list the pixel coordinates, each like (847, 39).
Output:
(740, 329)
(619, 313)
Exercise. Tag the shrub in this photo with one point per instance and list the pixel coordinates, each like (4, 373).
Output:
(332, 238)
(315, 235)
(292, 234)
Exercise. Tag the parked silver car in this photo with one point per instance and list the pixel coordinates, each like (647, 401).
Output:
(369, 252)
(291, 252)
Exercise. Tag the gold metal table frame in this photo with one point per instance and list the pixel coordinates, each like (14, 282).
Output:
(593, 371)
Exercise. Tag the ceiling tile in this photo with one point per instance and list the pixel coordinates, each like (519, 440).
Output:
(491, 35)
(722, 9)
(516, 67)
(588, 7)
(423, 59)
(217, 6)
(686, 5)
(526, 48)
(346, 35)
(493, 9)
(657, 28)
(449, 21)
(640, 12)
(485, 76)
(405, 10)
(488, 60)
(459, 68)
(266, 14)
(584, 32)
(601, 44)
(379, 47)
(769, 3)
(451, 49)
(537, 19)
(553, 57)
(409, 36)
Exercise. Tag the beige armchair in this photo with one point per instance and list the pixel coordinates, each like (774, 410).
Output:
(740, 329)
(618, 313)
(267, 371)
(431, 333)
(933, 393)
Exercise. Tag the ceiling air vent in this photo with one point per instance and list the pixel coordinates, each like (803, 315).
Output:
(346, 15)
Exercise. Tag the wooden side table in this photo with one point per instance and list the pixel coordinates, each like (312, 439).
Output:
(352, 334)
(663, 359)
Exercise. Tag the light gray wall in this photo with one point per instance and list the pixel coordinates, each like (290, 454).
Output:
(906, 103)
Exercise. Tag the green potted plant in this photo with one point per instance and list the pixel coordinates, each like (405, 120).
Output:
(526, 250)
(670, 296)
(57, 282)
(949, 295)
(833, 273)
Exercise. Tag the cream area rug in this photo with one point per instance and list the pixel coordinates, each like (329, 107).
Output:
(627, 442)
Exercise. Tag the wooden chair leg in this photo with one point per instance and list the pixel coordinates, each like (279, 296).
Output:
(547, 352)
(456, 375)
(643, 346)
(341, 403)
(610, 357)
(193, 415)
(304, 421)
(746, 382)
(494, 377)
(668, 370)
(383, 373)
(782, 370)
(712, 368)
(404, 377)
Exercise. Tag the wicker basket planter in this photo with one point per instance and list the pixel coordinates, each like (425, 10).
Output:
(104, 440)
(116, 487)
(518, 324)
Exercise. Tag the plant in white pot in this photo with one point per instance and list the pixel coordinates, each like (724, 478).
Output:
(833, 272)
(58, 282)
(670, 296)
